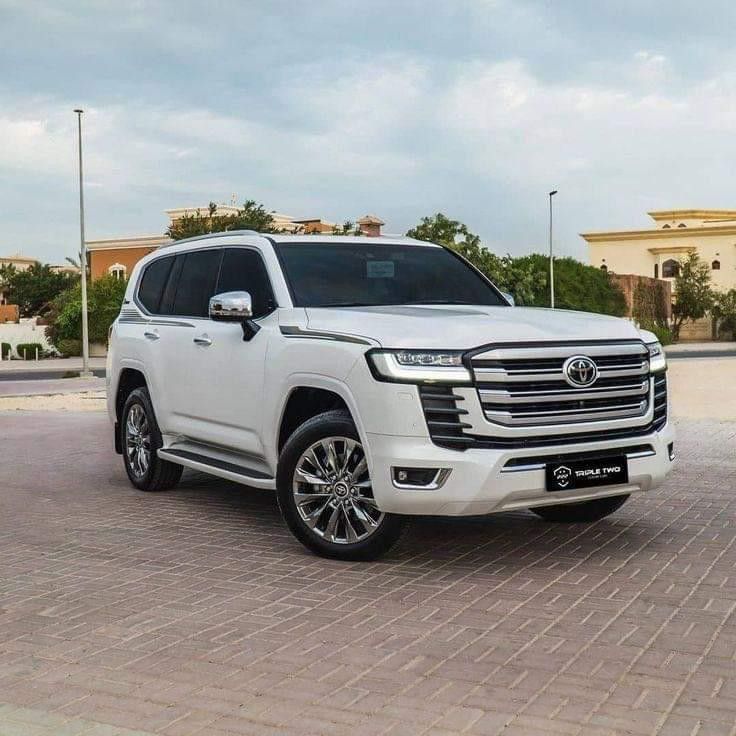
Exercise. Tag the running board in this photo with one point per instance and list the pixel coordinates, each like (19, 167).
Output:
(220, 468)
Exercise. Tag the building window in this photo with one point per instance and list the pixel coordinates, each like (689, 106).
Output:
(656, 270)
(670, 269)
(716, 265)
(117, 271)
(604, 267)
(665, 227)
(682, 224)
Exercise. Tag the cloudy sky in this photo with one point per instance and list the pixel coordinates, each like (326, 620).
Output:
(336, 108)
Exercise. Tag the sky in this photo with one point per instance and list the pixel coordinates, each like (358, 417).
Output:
(338, 108)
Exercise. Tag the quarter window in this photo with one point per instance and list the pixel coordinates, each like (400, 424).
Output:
(153, 282)
(243, 270)
(196, 283)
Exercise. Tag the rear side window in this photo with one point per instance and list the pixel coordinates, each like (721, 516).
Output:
(243, 270)
(196, 283)
(153, 282)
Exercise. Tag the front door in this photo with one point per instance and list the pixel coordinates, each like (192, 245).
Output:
(219, 380)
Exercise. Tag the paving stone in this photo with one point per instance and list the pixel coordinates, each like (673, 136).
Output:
(194, 612)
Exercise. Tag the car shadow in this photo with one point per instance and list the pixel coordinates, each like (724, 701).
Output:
(515, 539)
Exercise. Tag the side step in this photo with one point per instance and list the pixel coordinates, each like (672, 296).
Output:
(220, 468)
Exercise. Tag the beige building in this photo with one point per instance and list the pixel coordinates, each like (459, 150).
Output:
(656, 251)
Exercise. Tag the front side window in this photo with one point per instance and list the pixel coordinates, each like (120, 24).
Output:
(196, 283)
(375, 274)
(152, 284)
(243, 270)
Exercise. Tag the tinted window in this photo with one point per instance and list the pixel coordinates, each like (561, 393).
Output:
(365, 274)
(244, 270)
(196, 283)
(153, 283)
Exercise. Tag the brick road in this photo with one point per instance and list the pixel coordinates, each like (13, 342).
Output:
(195, 612)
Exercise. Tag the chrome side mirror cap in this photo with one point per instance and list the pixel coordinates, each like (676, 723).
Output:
(509, 298)
(231, 306)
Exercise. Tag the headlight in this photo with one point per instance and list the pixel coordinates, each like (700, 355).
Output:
(418, 366)
(657, 360)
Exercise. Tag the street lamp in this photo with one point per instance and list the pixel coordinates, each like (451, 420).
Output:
(85, 373)
(551, 255)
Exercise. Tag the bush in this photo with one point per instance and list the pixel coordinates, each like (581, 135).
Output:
(664, 334)
(5, 349)
(69, 348)
(27, 350)
(104, 299)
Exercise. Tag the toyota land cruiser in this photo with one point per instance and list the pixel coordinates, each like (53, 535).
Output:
(369, 379)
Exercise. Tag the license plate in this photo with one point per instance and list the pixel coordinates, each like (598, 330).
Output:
(568, 475)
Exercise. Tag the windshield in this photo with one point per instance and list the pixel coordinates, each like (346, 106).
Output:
(375, 274)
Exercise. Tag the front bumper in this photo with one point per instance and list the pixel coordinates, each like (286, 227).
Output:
(481, 481)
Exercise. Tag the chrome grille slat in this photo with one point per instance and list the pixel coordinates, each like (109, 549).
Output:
(548, 396)
(525, 386)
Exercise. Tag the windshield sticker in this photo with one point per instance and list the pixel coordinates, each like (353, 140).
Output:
(380, 269)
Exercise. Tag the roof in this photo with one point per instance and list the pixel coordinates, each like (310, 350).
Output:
(18, 258)
(370, 220)
(658, 215)
(144, 241)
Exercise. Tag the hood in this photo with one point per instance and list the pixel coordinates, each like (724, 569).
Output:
(461, 327)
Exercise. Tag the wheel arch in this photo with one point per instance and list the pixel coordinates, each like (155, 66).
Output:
(129, 380)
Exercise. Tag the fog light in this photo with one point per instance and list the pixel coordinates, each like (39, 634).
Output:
(671, 450)
(418, 478)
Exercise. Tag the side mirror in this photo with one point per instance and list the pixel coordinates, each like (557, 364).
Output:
(232, 306)
(510, 299)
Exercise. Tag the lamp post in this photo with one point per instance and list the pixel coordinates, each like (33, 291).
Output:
(551, 255)
(85, 373)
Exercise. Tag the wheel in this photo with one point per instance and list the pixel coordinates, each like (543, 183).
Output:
(140, 439)
(581, 512)
(325, 494)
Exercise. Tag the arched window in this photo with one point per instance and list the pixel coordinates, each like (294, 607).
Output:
(716, 265)
(682, 224)
(604, 267)
(665, 227)
(117, 271)
(656, 270)
(670, 269)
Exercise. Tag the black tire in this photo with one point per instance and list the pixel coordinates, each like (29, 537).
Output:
(331, 424)
(582, 512)
(159, 475)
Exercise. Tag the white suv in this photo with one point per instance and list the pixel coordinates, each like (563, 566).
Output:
(367, 379)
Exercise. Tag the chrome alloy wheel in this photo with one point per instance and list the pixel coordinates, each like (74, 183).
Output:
(333, 493)
(138, 440)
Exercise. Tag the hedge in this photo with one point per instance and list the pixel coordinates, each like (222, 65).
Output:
(27, 350)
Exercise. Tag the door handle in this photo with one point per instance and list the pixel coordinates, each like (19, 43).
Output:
(151, 335)
(203, 340)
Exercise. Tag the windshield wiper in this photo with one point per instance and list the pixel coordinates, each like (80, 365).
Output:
(438, 301)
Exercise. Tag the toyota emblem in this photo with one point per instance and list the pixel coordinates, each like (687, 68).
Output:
(580, 371)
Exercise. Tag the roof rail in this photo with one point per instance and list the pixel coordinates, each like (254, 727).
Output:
(207, 236)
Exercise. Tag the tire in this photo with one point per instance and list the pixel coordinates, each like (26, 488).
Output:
(582, 512)
(139, 429)
(342, 521)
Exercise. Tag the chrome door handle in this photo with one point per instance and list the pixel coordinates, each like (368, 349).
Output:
(203, 340)
(151, 335)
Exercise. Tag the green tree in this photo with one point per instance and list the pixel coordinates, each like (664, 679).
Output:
(527, 277)
(34, 288)
(693, 293)
(104, 299)
(724, 313)
(251, 216)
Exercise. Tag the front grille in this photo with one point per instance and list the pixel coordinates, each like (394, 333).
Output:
(526, 386)
(522, 389)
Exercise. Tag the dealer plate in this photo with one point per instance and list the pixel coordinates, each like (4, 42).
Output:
(567, 475)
